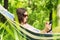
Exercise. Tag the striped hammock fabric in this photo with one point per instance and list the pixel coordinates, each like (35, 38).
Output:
(30, 34)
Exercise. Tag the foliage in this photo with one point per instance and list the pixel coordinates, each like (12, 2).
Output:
(38, 11)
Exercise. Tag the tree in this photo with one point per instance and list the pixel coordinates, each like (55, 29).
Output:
(58, 12)
(6, 4)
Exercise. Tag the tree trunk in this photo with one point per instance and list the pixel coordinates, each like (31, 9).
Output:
(3, 19)
(58, 12)
(6, 4)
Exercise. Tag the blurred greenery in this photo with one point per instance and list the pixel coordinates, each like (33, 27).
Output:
(38, 11)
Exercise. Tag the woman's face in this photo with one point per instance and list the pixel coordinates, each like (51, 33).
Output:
(25, 17)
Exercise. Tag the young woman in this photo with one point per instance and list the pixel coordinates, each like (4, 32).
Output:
(23, 16)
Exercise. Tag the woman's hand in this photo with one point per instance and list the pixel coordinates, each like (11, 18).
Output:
(47, 27)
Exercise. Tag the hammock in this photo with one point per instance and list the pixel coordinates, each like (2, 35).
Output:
(30, 34)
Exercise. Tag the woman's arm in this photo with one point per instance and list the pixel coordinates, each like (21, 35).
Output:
(47, 28)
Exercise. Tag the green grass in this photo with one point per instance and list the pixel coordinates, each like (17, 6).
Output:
(10, 32)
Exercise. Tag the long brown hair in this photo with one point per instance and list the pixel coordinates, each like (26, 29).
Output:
(20, 12)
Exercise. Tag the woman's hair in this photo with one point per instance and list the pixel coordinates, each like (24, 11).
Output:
(20, 13)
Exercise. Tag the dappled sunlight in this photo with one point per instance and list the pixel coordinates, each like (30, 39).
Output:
(39, 12)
